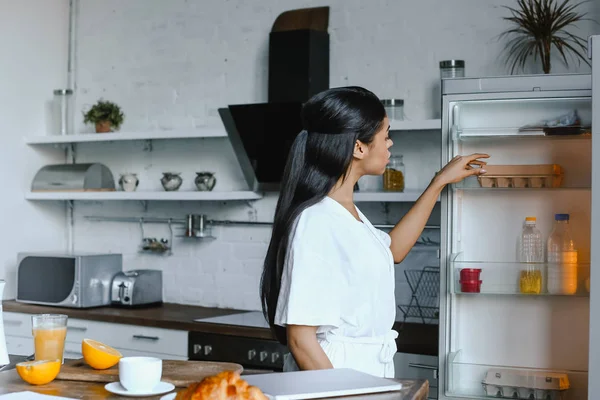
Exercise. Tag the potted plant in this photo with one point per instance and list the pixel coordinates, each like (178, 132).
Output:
(106, 115)
(538, 26)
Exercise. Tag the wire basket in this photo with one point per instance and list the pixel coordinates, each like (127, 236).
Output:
(425, 297)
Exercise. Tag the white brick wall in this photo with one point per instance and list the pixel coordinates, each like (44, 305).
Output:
(34, 41)
(171, 64)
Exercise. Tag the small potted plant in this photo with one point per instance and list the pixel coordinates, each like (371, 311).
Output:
(106, 115)
(538, 27)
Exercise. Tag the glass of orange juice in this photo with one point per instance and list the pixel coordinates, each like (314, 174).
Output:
(49, 332)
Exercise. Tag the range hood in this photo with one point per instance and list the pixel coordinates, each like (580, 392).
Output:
(261, 134)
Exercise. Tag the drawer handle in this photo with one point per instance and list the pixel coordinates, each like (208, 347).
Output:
(77, 328)
(144, 337)
(422, 366)
(13, 322)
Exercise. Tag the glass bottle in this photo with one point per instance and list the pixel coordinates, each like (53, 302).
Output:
(393, 177)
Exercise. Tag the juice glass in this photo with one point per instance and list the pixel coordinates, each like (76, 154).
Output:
(49, 332)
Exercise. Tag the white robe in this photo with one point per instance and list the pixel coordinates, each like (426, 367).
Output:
(339, 276)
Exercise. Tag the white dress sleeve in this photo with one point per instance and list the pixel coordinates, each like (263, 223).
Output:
(385, 237)
(312, 284)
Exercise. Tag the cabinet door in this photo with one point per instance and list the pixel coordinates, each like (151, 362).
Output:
(19, 346)
(129, 339)
(168, 342)
(17, 324)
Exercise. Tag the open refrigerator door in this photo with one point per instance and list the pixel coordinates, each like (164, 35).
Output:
(594, 351)
(513, 326)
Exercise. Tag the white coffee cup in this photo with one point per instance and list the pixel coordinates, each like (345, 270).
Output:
(140, 374)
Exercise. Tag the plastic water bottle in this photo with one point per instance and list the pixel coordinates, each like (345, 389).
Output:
(562, 258)
(531, 254)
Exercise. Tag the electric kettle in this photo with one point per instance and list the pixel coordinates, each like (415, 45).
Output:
(3, 351)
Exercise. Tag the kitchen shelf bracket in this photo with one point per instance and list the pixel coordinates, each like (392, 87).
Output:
(148, 145)
(70, 153)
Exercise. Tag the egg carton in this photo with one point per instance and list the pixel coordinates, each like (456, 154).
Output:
(522, 176)
(525, 384)
(506, 392)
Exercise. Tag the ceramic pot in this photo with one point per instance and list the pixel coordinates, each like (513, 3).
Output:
(171, 181)
(103, 126)
(129, 182)
(205, 181)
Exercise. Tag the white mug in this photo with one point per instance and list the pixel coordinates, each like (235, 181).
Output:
(140, 374)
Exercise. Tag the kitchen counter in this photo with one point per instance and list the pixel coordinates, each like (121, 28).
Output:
(413, 338)
(10, 382)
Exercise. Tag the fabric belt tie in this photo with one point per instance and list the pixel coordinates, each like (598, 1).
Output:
(387, 343)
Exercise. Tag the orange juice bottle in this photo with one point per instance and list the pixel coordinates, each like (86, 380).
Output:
(49, 333)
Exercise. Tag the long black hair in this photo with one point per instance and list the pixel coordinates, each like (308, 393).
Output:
(321, 154)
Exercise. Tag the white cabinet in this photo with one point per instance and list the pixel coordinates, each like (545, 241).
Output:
(130, 340)
(418, 366)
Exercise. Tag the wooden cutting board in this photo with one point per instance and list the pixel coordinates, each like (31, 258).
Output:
(179, 373)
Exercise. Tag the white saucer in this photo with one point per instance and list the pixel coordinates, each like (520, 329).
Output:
(161, 388)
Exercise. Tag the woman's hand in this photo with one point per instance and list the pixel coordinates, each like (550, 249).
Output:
(461, 167)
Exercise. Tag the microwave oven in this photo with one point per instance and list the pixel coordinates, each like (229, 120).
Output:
(75, 280)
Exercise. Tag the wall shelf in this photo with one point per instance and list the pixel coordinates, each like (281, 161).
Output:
(145, 196)
(423, 125)
(124, 136)
(406, 196)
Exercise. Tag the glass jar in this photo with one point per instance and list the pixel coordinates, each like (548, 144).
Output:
(393, 177)
(63, 111)
(394, 108)
(452, 69)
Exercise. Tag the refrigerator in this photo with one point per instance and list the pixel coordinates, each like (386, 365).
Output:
(499, 339)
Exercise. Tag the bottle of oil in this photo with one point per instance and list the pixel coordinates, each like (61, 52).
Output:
(531, 255)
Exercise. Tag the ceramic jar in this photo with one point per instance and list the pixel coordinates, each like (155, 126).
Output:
(129, 182)
(171, 181)
(205, 181)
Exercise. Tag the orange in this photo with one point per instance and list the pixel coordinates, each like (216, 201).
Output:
(98, 355)
(38, 372)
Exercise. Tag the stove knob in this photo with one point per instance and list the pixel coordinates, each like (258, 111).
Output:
(207, 350)
(274, 357)
(263, 355)
(251, 354)
(197, 348)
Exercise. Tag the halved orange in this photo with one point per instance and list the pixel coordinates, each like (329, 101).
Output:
(99, 355)
(38, 372)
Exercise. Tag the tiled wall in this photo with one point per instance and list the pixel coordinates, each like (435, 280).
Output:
(170, 65)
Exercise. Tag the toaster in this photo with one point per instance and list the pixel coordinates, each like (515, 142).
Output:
(138, 287)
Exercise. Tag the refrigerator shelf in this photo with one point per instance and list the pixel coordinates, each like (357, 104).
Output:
(519, 183)
(503, 278)
(566, 133)
(466, 379)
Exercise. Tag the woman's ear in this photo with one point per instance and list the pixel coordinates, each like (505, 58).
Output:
(360, 150)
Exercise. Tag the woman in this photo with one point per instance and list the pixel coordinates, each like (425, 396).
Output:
(327, 287)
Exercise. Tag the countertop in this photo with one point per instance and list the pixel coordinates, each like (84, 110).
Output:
(10, 382)
(412, 338)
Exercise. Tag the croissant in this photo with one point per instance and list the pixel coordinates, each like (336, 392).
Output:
(224, 386)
